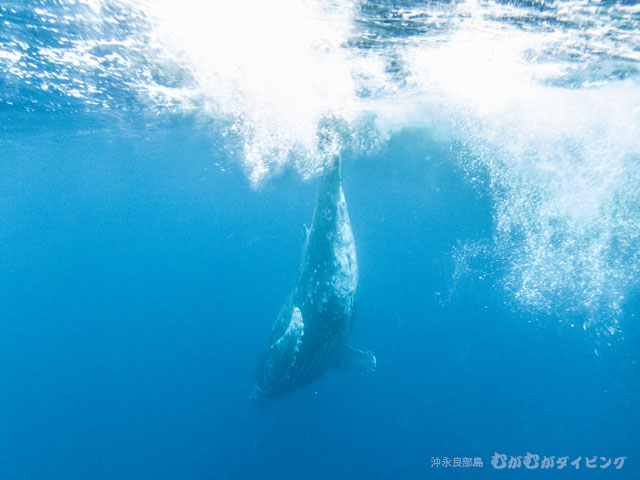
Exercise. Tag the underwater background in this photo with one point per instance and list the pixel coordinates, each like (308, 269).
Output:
(158, 163)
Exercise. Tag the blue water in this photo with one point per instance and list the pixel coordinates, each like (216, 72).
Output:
(143, 261)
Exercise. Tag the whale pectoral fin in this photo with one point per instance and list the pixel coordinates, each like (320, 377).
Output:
(356, 360)
(277, 361)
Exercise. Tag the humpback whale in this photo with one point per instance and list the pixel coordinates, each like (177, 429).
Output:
(310, 333)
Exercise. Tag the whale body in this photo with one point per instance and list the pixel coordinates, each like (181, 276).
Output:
(310, 333)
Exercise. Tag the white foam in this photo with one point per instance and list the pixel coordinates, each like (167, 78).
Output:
(274, 69)
(563, 163)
